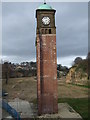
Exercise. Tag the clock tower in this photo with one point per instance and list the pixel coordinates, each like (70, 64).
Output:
(46, 60)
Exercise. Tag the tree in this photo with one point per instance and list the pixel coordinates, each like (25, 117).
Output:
(6, 71)
(77, 60)
(88, 59)
(88, 56)
(59, 66)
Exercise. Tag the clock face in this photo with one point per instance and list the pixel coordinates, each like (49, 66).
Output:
(46, 20)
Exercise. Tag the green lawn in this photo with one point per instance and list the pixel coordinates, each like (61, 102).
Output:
(80, 105)
(85, 86)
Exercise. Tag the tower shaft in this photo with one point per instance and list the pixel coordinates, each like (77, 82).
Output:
(47, 74)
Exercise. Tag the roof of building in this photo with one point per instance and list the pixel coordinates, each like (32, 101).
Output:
(45, 7)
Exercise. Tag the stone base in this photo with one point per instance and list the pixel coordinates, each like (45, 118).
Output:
(29, 110)
(64, 111)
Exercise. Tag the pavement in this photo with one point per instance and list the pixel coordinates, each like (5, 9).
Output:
(29, 110)
(23, 107)
(64, 111)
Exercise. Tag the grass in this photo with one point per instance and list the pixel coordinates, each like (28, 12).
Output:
(80, 105)
(85, 86)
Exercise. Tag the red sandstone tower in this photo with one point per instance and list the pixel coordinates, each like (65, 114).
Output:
(46, 60)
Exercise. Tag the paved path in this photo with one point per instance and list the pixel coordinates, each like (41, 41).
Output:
(28, 110)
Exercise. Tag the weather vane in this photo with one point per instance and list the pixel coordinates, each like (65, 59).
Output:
(44, 1)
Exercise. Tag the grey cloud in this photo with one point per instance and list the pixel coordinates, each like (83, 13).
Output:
(19, 29)
(72, 30)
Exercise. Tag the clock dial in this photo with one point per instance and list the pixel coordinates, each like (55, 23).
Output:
(46, 20)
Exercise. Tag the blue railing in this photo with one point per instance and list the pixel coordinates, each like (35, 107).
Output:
(11, 110)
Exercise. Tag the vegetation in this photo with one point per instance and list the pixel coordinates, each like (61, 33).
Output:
(77, 60)
(80, 105)
(79, 72)
(61, 70)
(24, 69)
(27, 69)
(85, 86)
(83, 65)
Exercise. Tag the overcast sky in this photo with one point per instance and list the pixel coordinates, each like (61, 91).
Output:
(19, 31)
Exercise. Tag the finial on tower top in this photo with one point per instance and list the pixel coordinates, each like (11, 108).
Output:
(44, 1)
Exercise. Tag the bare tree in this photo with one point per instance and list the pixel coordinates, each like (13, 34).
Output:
(6, 71)
(77, 60)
